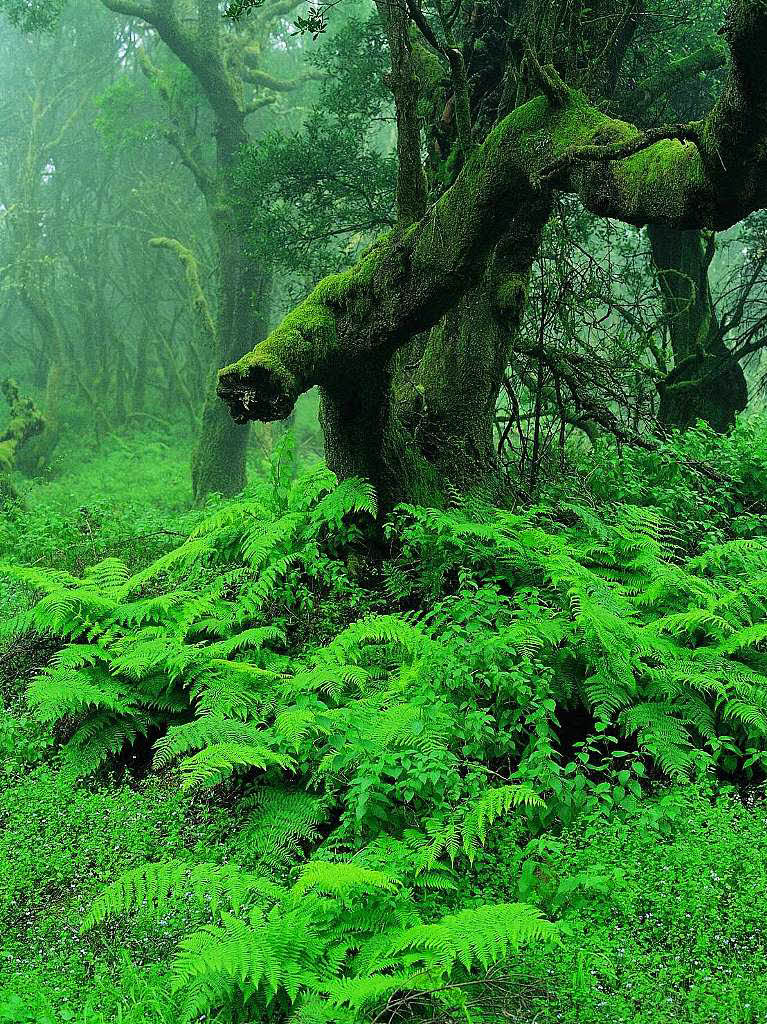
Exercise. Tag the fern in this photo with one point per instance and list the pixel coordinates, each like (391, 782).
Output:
(215, 887)
(281, 824)
(465, 829)
(344, 934)
(146, 648)
(220, 759)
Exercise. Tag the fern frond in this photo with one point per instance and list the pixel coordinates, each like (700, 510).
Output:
(213, 764)
(342, 879)
(478, 936)
(153, 885)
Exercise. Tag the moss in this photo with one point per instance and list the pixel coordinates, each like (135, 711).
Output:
(531, 116)
(428, 68)
(577, 123)
(7, 452)
(511, 294)
(669, 170)
(282, 366)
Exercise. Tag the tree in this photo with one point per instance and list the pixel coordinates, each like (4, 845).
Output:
(225, 61)
(706, 381)
(408, 346)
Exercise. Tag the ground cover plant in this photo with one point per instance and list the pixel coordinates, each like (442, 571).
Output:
(330, 800)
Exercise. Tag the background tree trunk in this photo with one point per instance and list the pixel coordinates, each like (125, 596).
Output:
(706, 383)
(218, 463)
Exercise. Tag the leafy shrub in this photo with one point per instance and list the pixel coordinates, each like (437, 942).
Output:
(713, 486)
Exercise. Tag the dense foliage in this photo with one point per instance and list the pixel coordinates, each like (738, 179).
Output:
(385, 746)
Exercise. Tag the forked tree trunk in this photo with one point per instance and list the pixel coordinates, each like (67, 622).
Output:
(706, 382)
(420, 424)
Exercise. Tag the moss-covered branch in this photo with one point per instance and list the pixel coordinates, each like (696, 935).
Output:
(266, 81)
(709, 57)
(609, 152)
(197, 295)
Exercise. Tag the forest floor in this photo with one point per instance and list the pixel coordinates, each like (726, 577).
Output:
(662, 905)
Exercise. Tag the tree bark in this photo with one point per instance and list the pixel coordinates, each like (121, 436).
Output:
(219, 460)
(706, 382)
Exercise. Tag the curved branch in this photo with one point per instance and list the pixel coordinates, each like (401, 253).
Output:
(192, 273)
(200, 54)
(144, 9)
(709, 57)
(267, 81)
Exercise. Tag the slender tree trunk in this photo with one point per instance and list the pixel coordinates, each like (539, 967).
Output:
(36, 455)
(706, 382)
(138, 401)
(218, 464)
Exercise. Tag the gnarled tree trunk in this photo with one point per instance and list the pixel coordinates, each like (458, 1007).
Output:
(411, 422)
(706, 382)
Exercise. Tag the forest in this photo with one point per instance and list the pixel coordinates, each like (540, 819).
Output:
(383, 511)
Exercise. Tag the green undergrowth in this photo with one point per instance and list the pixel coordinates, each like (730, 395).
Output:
(58, 846)
(663, 907)
(712, 485)
(499, 774)
(123, 496)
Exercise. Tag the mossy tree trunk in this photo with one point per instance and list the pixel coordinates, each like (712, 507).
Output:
(25, 422)
(226, 69)
(706, 382)
(407, 346)
(218, 463)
